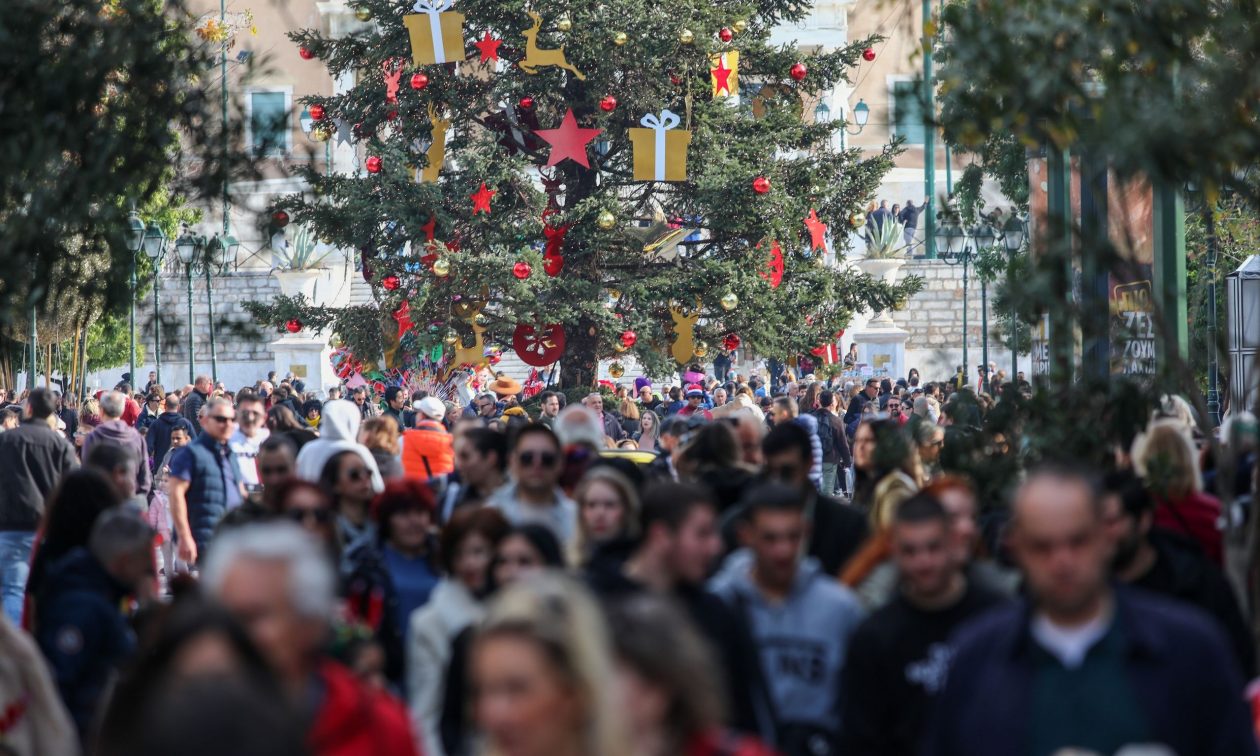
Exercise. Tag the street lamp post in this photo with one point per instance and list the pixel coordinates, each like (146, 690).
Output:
(951, 242)
(189, 246)
(984, 236)
(1014, 233)
(155, 248)
(135, 238)
(219, 254)
(861, 116)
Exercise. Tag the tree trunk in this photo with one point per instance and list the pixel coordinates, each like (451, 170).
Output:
(578, 366)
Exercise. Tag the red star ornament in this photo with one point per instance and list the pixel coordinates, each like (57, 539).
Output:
(721, 77)
(489, 47)
(817, 231)
(568, 141)
(481, 199)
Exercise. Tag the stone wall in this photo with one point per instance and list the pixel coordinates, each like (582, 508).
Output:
(231, 291)
(934, 316)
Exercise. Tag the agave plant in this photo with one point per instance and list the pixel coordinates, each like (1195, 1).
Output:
(885, 240)
(303, 253)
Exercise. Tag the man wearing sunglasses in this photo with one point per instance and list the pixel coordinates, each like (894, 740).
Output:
(532, 494)
(205, 481)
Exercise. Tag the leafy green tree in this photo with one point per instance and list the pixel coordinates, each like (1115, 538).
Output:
(631, 249)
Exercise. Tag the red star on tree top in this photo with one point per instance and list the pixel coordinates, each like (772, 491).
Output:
(721, 76)
(489, 47)
(817, 231)
(481, 199)
(568, 141)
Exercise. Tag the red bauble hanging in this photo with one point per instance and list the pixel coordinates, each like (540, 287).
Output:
(280, 218)
(761, 185)
(305, 54)
(391, 283)
(798, 71)
(522, 270)
(526, 103)
(725, 34)
(675, 79)
(373, 164)
(317, 112)
(553, 264)
(868, 54)
(628, 338)
(732, 342)
(608, 103)
(419, 81)
(292, 325)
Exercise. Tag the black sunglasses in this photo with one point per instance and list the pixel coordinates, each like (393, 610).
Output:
(548, 459)
(320, 516)
(358, 473)
(222, 419)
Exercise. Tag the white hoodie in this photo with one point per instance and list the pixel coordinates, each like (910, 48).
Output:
(338, 432)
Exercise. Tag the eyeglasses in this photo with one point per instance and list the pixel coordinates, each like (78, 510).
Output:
(548, 459)
(894, 406)
(222, 419)
(250, 413)
(269, 471)
(357, 473)
(320, 516)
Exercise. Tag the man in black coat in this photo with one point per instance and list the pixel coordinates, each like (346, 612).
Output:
(869, 393)
(158, 438)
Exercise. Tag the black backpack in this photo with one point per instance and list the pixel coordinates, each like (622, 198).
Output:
(826, 432)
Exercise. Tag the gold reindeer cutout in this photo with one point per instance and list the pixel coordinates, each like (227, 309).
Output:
(436, 154)
(684, 347)
(536, 58)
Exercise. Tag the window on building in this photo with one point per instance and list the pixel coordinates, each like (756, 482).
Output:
(907, 108)
(269, 123)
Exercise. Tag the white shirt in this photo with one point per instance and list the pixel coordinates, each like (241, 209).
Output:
(246, 451)
(1069, 644)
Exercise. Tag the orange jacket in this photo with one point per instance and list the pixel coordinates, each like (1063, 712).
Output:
(427, 450)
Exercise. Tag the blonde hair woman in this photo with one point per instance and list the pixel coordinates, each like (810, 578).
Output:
(649, 431)
(542, 672)
(1166, 459)
(608, 510)
(628, 409)
(380, 436)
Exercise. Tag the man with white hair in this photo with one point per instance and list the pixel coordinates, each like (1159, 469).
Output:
(594, 402)
(279, 583)
(114, 430)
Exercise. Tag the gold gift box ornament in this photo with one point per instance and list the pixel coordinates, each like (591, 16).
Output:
(660, 149)
(437, 33)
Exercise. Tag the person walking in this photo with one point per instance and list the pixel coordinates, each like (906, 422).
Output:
(909, 219)
(428, 448)
(33, 458)
(194, 400)
(248, 438)
(204, 482)
(115, 430)
(533, 493)
(1082, 664)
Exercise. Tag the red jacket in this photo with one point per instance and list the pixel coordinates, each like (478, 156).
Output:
(354, 720)
(1196, 516)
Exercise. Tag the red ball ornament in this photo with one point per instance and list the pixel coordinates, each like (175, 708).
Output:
(526, 103)
(317, 112)
(761, 185)
(608, 103)
(373, 164)
(628, 338)
(292, 325)
(305, 53)
(391, 283)
(280, 218)
(391, 115)
(522, 270)
(732, 342)
(419, 81)
(725, 34)
(675, 79)
(798, 71)
(868, 54)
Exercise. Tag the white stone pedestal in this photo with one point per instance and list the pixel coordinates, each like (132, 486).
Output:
(884, 349)
(307, 357)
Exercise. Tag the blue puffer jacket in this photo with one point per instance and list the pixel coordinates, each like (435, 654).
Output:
(207, 490)
(82, 631)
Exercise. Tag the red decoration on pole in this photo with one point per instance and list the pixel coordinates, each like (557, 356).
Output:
(373, 164)
(868, 54)
(568, 141)
(817, 231)
(628, 338)
(798, 71)
(522, 270)
(305, 54)
(391, 283)
(761, 185)
(481, 199)
(280, 218)
(725, 34)
(419, 81)
(317, 112)
(292, 325)
(538, 347)
(488, 47)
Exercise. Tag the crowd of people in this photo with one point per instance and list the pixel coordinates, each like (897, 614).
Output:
(734, 566)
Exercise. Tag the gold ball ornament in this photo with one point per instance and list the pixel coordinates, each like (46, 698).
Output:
(564, 24)
(686, 37)
(616, 370)
(442, 267)
(614, 294)
(729, 301)
(452, 338)
(620, 38)
(701, 349)
(740, 26)
(363, 13)
(857, 220)
(480, 319)
(320, 134)
(605, 220)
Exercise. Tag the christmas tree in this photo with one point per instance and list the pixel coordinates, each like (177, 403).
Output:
(582, 180)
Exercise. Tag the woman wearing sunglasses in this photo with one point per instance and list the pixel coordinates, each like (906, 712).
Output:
(348, 482)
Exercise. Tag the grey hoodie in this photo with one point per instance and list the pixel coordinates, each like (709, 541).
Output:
(338, 431)
(802, 641)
